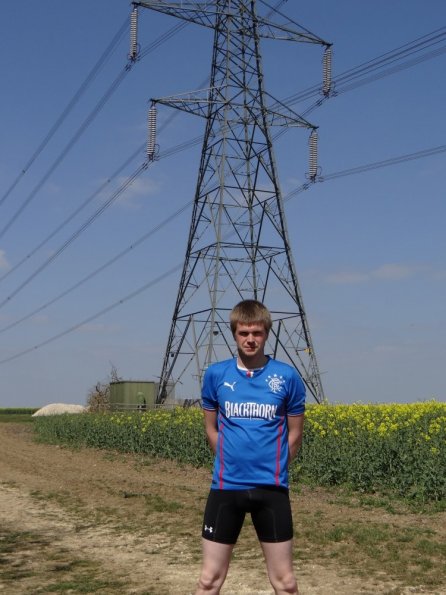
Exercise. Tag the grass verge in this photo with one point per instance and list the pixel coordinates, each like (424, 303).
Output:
(34, 563)
(16, 418)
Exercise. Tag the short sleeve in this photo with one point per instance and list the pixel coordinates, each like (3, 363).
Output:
(296, 396)
(208, 391)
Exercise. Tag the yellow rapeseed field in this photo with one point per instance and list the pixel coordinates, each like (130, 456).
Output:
(398, 447)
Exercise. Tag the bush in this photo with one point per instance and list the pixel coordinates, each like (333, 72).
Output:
(98, 399)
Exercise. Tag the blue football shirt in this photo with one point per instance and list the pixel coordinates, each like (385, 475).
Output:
(252, 410)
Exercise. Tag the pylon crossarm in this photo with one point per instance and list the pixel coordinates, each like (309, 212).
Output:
(200, 13)
(200, 107)
(197, 107)
(311, 37)
(270, 30)
(197, 95)
(282, 110)
(274, 118)
(205, 14)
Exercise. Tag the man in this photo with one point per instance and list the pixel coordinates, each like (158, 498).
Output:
(253, 414)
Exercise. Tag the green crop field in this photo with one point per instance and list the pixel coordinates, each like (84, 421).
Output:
(396, 447)
(17, 414)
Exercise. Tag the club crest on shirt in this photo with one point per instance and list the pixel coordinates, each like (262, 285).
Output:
(275, 383)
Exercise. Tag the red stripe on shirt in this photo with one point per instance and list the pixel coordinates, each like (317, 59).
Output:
(220, 442)
(279, 444)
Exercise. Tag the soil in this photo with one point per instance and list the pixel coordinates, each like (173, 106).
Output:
(133, 524)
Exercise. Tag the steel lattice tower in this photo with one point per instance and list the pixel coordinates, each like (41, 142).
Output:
(238, 245)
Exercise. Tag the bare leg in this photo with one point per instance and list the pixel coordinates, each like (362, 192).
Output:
(279, 563)
(216, 558)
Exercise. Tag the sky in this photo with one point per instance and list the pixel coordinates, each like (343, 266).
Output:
(369, 248)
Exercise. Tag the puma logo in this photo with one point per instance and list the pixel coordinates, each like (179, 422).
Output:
(231, 386)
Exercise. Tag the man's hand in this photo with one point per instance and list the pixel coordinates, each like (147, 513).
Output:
(210, 426)
(295, 434)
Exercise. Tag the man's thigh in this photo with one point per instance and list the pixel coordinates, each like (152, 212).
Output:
(271, 514)
(223, 516)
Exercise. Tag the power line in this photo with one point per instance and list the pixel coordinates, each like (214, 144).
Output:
(345, 77)
(73, 214)
(86, 123)
(352, 74)
(106, 55)
(407, 49)
(379, 62)
(193, 142)
(343, 173)
(162, 39)
(173, 150)
(90, 118)
(84, 226)
(385, 163)
(369, 167)
(348, 75)
(128, 297)
(77, 233)
(100, 269)
(276, 10)
(390, 71)
(92, 196)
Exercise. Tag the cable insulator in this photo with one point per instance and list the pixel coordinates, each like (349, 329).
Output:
(133, 34)
(326, 65)
(312, 171)
(151, 142)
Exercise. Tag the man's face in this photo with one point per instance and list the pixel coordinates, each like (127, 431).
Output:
(250, 340)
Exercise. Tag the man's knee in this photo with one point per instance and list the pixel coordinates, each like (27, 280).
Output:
(285, 583)
(210, 582)
(216, 558)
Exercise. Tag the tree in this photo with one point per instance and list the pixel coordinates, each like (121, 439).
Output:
(98, 398)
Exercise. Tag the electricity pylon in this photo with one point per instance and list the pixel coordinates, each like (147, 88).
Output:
(238, 246)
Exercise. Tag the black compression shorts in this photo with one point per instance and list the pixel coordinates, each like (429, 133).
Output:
(269, 507)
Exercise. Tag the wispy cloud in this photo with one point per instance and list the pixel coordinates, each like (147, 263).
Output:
(133, 197)
(290, 184)
(141, 188)
(385, 272)
(386, 349)
(98, 328)
(4, 264)
(346, 277)
(395, 272)
(440, 275)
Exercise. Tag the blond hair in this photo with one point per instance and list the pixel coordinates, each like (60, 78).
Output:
(249, 312)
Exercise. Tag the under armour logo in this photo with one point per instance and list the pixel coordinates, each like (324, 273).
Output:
(231, 386)
(210, 529)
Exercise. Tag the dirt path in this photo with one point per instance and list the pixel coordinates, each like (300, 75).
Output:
(129, 525)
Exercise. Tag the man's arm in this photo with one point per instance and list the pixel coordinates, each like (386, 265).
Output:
(210, 426)
(295, 433)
